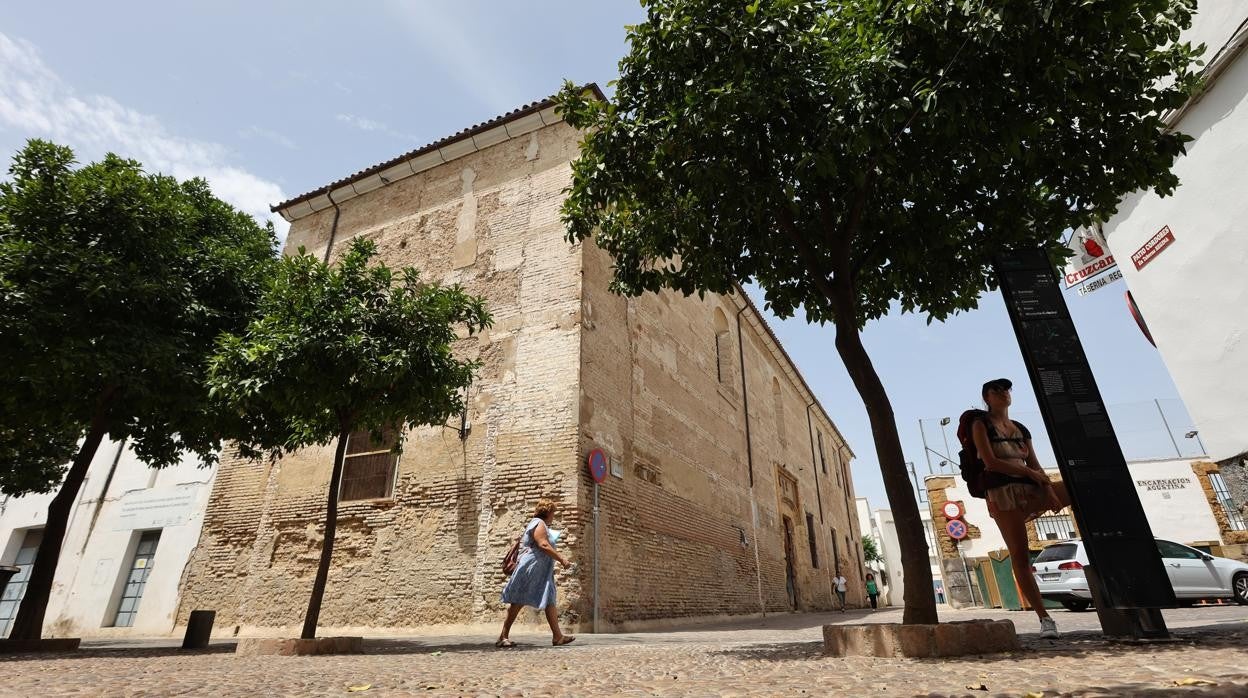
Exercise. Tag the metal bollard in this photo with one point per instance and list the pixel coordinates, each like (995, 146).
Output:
(199, 630)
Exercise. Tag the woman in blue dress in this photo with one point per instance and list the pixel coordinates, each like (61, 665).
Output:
(533, 582)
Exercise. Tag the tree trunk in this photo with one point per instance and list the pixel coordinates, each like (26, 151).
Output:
(327, 546)
(919, 598)
(28, 625)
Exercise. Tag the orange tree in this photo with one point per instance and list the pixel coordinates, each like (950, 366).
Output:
(851, 156)
(339, 349)
(114, 282)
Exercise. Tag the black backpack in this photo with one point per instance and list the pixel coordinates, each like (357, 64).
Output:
(969, 462)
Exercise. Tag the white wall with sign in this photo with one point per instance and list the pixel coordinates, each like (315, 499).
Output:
(119, 500)
(1174, 503)
(1184, 256)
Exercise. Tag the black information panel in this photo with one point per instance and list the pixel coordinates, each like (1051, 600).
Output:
(1115, 532)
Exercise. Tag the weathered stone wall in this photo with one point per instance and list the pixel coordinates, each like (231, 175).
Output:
(678, 533)
(430, 554)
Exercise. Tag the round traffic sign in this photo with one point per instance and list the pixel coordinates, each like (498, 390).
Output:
(597, 461)
(956, 529)
(952, 510)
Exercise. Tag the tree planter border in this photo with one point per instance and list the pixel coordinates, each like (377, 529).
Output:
(298, 647)
(920, 640)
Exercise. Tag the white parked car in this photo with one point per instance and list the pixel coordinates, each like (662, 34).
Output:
(1193, 574)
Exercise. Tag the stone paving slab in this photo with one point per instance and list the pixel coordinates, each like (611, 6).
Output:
(783, 658)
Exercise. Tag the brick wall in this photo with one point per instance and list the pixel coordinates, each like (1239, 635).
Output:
(430, 554)
(672, 527)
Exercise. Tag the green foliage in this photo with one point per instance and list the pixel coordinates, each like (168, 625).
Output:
(870, 553)
(890, 147)
(113, 285)
(335, 349)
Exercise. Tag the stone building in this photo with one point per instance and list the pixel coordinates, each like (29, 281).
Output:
(704, 513)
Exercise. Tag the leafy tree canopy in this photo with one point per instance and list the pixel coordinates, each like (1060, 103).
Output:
(334, 349)
(114, 282)
(870, 552)
(891, 146)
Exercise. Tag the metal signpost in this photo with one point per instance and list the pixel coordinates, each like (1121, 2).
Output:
(598, 466)
(1128, 581)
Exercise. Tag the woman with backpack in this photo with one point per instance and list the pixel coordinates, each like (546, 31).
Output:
(532, 582)
(1016, 487)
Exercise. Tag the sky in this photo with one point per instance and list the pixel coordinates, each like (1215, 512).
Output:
(271, 100)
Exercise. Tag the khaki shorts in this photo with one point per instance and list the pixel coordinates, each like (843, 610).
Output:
(1022, 496)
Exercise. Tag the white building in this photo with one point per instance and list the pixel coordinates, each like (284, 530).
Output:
(1178, 497)
(884, 531)
(1183, 256)
(130, 534)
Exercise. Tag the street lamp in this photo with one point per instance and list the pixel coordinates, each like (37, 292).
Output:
(1194, 434)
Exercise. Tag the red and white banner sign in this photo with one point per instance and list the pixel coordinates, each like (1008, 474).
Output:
(1149, 251)
(1091, 257)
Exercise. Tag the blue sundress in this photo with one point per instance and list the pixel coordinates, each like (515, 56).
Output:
(533, 582)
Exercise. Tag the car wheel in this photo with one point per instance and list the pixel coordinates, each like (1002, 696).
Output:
(1076, 606)
(1240, 587)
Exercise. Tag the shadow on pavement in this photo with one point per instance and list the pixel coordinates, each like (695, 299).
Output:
(118, 652)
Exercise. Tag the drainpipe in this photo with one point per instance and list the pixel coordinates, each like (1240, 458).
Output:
(814, 463)
(99, 503)
(745, 398)
(749, 459)
(333, 228)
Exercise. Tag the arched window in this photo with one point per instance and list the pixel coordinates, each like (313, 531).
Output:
(723, 350)
(777, 401)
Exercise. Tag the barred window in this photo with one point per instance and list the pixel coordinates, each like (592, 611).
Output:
(369, 466)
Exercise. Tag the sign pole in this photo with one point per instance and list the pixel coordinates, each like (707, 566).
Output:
(598, 464)
(595, 558)
(1127, 579)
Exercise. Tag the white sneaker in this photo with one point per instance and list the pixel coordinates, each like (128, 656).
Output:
(1048, 628)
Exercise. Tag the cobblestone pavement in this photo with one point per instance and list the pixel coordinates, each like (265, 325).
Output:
(778, 656)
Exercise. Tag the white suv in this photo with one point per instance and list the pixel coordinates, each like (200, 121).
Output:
(1193, 574)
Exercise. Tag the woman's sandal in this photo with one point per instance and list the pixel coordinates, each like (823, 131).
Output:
(504, 644)
(566, 639)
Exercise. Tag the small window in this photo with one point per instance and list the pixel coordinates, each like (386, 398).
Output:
(823, 461)
(836, 554)
(723, 350)
(810, 539)
(777, 401)
(368, 469)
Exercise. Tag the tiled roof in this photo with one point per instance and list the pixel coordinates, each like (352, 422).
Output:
(464, 135)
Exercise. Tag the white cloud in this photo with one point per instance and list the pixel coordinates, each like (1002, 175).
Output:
(35, 101)
(370, 125)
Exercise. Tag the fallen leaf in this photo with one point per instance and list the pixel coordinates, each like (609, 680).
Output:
(1193, 681)
(1033, 694)
(361, 687)
(976, 687)
(437, 653)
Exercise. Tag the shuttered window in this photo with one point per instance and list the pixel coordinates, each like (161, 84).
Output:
(368, 468)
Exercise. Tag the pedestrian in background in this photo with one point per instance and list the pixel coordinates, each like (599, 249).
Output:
(533, 582)
(839, 581)
(873, 591)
